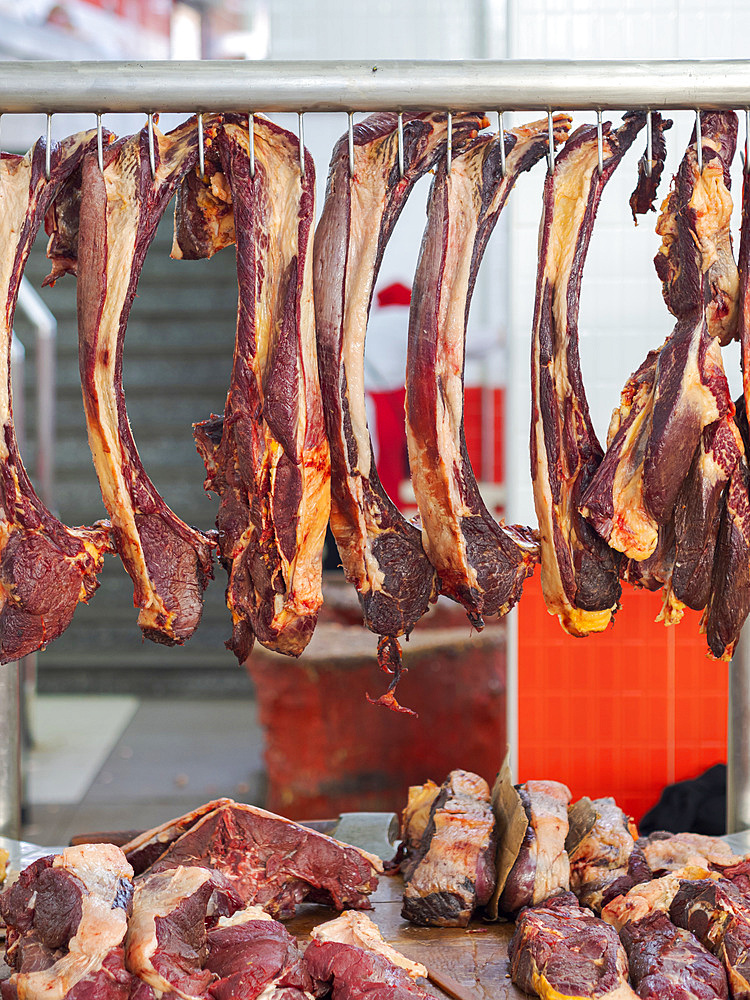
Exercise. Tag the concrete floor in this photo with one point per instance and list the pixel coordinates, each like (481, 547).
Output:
(122, 763)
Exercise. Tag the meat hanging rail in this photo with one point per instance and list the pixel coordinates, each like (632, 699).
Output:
(357, 86)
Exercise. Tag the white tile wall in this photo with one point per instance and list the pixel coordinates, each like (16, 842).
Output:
(622, 314)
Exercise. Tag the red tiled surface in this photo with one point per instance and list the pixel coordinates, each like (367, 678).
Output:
(622, 713)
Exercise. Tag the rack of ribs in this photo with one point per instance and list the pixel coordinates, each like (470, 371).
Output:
(481, 564)
(380, 550)
(120, 208)
(267, 457)
(580, 574)
(46, 568)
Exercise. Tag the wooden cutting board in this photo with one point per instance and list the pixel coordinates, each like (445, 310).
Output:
(474, 958)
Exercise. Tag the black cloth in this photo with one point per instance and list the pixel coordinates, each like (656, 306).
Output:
(698, 805)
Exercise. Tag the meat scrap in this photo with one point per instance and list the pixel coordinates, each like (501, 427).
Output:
(267, 457)
(646, 898)
(542, 868)
(453, 871)
(349, 972)
(46, 568)
(268, 860)
(66, 919)
(667, 961)
(580, 574)
(605, 860)
(717, 913)
(414, 819)
(682, 388)
(381, 552)
(481, 564)
(356, 928)
(560, 951)
(668, 852)
(120, 208)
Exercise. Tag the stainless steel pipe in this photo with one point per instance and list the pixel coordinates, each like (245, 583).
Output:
(219, 85)
(10, 751)
(738, 738)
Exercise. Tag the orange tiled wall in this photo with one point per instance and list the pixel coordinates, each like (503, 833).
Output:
(622, 713)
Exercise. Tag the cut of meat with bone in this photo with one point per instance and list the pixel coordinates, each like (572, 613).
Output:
(481, 564)
(605, 860)
(681, 389)
(268, 860)
(579, 572)
(381, 552)
(560, 951)
(353, 973)
(542, 867)
(46, 568)
(667, 961)
(268, 458)
(453, 872)
(66, 919)
(169, 562)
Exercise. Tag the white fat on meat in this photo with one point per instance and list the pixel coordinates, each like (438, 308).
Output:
(158, 896)
(355, 928)
(689, 849)
(648, 897)
(101, 868)
(549, 817)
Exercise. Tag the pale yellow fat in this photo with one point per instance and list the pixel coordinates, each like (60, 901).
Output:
(548, 992)
(571, 194)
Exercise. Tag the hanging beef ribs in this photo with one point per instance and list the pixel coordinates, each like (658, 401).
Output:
(66, 919)
(481, 564)
(682, 388)
(580, 577)
(717, 913)
(120, 208)
(268, 860)
(560, 951)
(453, 871)
(380, 551)
(605, 860)
(667, 961)
(267, 458)
(542, 868)
(46, 568)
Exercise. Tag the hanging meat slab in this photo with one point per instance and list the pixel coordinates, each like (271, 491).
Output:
(580, 574)
(268, 457)
(381, 552)
(66, 918)
(169, 562)
(453, 870)
(560, 951)
(269, 861)
(481, 564)
(681, 389)
(46, 568)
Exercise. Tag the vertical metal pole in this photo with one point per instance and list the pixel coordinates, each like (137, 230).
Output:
(10, 752)
(738, 738)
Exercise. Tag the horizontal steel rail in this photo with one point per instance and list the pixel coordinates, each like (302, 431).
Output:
(403, 85)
